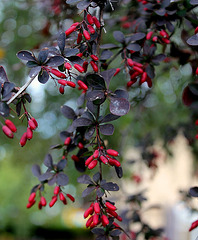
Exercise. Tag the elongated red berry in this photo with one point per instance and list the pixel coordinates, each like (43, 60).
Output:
(29, 133)
(96, 22)
(70, 30)
(138, 69)
(67, 141)
(40, 205)
(143, 78)
(114, 162)
(111, 212)
(95, 219)
(7, 131)
(53, 201)
(82, 85)
(94, 66)
(103, 159)
(62, 82)
(117, 71)
(119, 218)
(61, 196)
(149, 35)
(90, 19)
(30, 204)
(92, 164)
(196, 30)
(112, 152)
(130, 83)
(155, 38)
(80, 145)
(94, 57)
(68, 66)
(85, 65)
(23, 139)
(88, 212)
(86, 35)
(31, 124)
(149, 82)
(79, 54)
(89, 159)
(71, 84)
(116, 225)
(32, 197)
(96, 207)
(105, 220)
(193, 225)
(89, 221)
(57, 73)
(91, 29)
(61, 89)
(110, 206)
(56, 190)
(130, 62)
(134, 75)
(43, 201)
(137, 64)
(70, 197)
(96, 154)
(75, 158)
(164, 34)
(165, 40)
(35, 122)
(11, 125)
(79, 68)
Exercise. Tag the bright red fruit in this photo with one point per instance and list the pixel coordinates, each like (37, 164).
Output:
(96, 22)
(70, 30)
(29, 133)
(56, 190)
(79, 68)
(112, 152)
(71, 84)
(11, 125)
(70, 197)
(90, 19)
(7, 131)
(86, 35)
(82, 85)
(53, 201)
(23, 139)
(32, 197)
(57, 73)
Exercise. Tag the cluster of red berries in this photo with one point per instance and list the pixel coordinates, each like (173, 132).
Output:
(43, 202)
(161, 37)
(102, 155)
(32, 125)
(100, 214)
(137, 71)
(9, 128)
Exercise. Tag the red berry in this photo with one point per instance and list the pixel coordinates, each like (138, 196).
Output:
(155, 39)
(89, 159)
(196, 30)
(103, 159)
(56, 190)
(61, 89)
(91, 29)
(70, 30)
(134, 75)
(67, 141)
(23, 139)
(89, 221)
(105, 220)
(165, 40)
(79, 68)
(82, 85)
(70, 197)
(85, 65)
(196, 122)
(112, 152)
(193, 225)
(35, 122)
(114, 162)
(96, 154)
(32, 197)
(53, 201)
(92, 164)
(149, 82)
(29, 133)
(90, 19)
(137, 64)
(79, 39)
(94, 66)
(138, 69)
(11, 125)
(111, 212)
(130, 83)
(149, 35)
(75, 158)
(62, 82)
(61, 196)
(130, 62)
(86, 35)
(57, 73)
(96, 22)
(117, 71)
(110, 206)
(40, 205)
(31, 124)
(164, 34)
(119, 218)
(143, 78)
(71, 84)
(30, 204)
(96, 207)
(79, 54)
(95, 219)
(68, 66)
(88, 212)
(94, 57)
(80, 145)
(43, 201)
(7, 131)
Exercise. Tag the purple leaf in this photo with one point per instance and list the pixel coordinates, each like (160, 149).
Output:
(96, 177)
(55, 61)
(108, 46)
(43, 77)
(36, 170)
(85, 179)
(45, 176)
(34, 71)
(68, 112)
(108, 118)
(107, 129)
(48, 161)
(119, 93)
(26, 55)
(194, 2)
(96, 81)
(119, 171)
(119, 36)
(62, 179)
(136, 37)
(64, 135)
(106, 54)
(134, 47)
(61, 41)
(193, 41)
(81, 122)
(87, 191)
(108, 75)
(42, 57)
(71, 52)
(110, 186)
(61, 164)
(119, 106)
(3, 75)
(89, 132)
(83, 4)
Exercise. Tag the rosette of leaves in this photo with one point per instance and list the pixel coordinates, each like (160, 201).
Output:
(99, 186)
(54, 173)
(38, 64)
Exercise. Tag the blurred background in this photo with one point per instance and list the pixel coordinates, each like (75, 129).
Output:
(156, 139)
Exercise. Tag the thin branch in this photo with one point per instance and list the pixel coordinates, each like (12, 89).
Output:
(21, 90)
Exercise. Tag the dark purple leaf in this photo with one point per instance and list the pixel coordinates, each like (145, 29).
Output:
(45, 176)
(107, 129)
(134, 47)
(61, 164)
(106, 54)
(150, 70)
(109, 118)
(158, 58)
(115, 233)
(75, 59)
(98, 231)
(87, 191)
(92, 108)
(119, 106)
(83, 4)
(7, 89)
(89, 132)
(81, 122)
(52, 181)
(62, 179)
(110, 186)
(85, 179)
(36, 170)
(100, 192)
(119, 93)
(55, 61)
(61, 41)
(160, 12)
(81, 100)
(96, 177)
(31, 64)
(56, 146)
(170, 26)
(48, 161)
(96, 81)
(18, 108)
(71, 52)
(95, 95)
(43, 76)
(136, 37)
(64, 135)
(193, 191)
(80, 166)
(87, 115)
(194, 2)
(68, 112)
(193, 41)
(165, 3)
(26, 55)
(108, 75)
(42, 57)
(3, 76)
(119, 36)
(119, 171)
(34, 71)
(108, 46)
